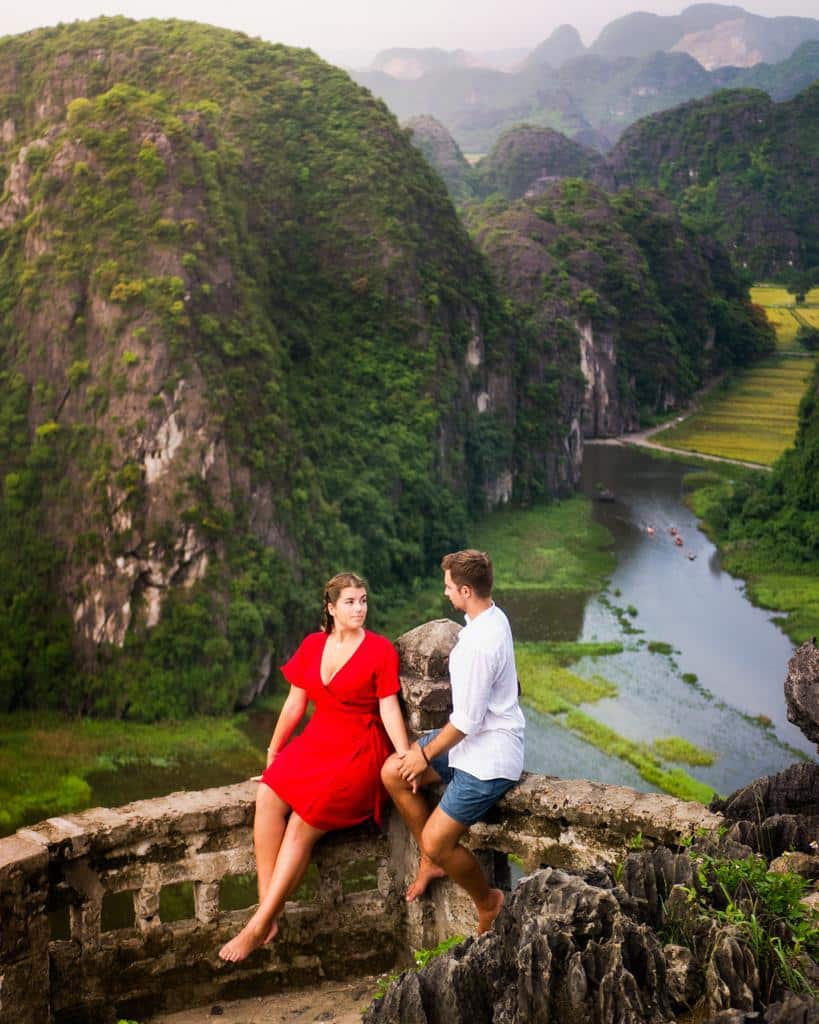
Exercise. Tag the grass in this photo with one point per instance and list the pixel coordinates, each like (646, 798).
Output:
(682, 751)
(549, 687)
(792, 591)
(763, 910)
(45, 760)
(549, 547)
(751, 417)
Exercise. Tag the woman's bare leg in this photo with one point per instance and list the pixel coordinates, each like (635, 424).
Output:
(268, 832)
(291, 864)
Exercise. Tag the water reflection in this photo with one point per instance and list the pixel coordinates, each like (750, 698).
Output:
(544, 615)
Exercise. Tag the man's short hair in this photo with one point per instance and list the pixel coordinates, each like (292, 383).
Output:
(470, 568)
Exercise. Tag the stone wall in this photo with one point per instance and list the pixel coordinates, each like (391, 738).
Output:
(82, 935)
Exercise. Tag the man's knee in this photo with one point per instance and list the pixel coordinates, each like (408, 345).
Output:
(435, 847)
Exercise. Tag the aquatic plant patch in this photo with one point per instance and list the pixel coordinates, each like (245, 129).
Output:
(670, 780)
(682, 751)
(550, 688)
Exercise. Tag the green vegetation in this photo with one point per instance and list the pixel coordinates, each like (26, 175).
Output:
(550, 688)
(752, 416)
(527, 153)
(754, 188)
(766, 525)
(660, 647)
(556, 547)
(674, 781)
(45, 760)
(675, 748)
(623, 266)
(422, 957)
(764, 911)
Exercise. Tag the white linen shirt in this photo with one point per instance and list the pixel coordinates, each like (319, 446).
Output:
(485, 699)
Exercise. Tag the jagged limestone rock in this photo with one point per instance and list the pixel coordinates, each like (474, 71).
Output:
(802, 690)
(777, 812)
(563, 950)
(682, 976)
(793, 1010)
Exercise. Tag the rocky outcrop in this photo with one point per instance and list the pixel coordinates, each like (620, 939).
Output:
(802, 690)
(565, 949)
(776, 813)
(527, 160)
(793, 1010)
(605, 413)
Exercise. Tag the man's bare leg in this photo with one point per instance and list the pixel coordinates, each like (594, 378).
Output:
(440, 842)
(291, 864)
(414, 809)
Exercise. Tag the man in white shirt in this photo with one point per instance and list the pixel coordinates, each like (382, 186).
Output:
(478, 753)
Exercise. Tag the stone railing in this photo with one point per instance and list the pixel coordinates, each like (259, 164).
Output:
(120, 913)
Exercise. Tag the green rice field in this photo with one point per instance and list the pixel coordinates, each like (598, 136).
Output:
(751, 417)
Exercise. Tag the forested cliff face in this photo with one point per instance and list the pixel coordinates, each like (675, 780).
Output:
(245, 342)
(739, 166)
(650, 306)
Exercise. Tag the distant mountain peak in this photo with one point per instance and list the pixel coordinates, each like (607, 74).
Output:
(563, 44)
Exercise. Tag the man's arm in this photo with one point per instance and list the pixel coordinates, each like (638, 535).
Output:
(416, 760)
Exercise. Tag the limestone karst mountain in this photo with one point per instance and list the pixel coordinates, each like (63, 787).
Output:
(245, 341)
(740, 166)
(640, 64)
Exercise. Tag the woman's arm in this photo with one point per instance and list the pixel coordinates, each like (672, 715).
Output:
(289, 717)
(390, 711)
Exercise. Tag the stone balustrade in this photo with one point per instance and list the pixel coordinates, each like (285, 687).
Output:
(86, 936)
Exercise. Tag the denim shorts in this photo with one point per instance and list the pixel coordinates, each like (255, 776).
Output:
(466, 798)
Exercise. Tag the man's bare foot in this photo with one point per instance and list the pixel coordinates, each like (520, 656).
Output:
(427, 871)
(487, 915)
(248, 939)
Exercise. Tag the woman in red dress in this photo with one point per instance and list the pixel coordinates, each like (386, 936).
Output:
(330, 776)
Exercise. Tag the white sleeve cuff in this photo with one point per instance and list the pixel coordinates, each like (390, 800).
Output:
(464, 724)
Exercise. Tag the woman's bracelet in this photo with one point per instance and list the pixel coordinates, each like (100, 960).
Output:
(423, 753)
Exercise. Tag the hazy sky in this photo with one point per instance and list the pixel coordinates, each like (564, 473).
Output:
(333, 25)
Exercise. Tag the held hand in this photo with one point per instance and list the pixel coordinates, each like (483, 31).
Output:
(413, 764)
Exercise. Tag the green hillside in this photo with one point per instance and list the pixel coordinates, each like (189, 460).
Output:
(741, 168)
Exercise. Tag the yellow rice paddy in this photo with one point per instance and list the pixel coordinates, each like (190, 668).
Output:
(784, 313)
(752, 418)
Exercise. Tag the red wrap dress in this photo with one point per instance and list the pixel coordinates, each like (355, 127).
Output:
(331, 773)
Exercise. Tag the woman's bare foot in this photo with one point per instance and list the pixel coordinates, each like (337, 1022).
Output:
(271, 935)
(249, 938)
(427, 871)
(487, 914)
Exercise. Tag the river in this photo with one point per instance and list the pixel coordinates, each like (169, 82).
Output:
(678, 595)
